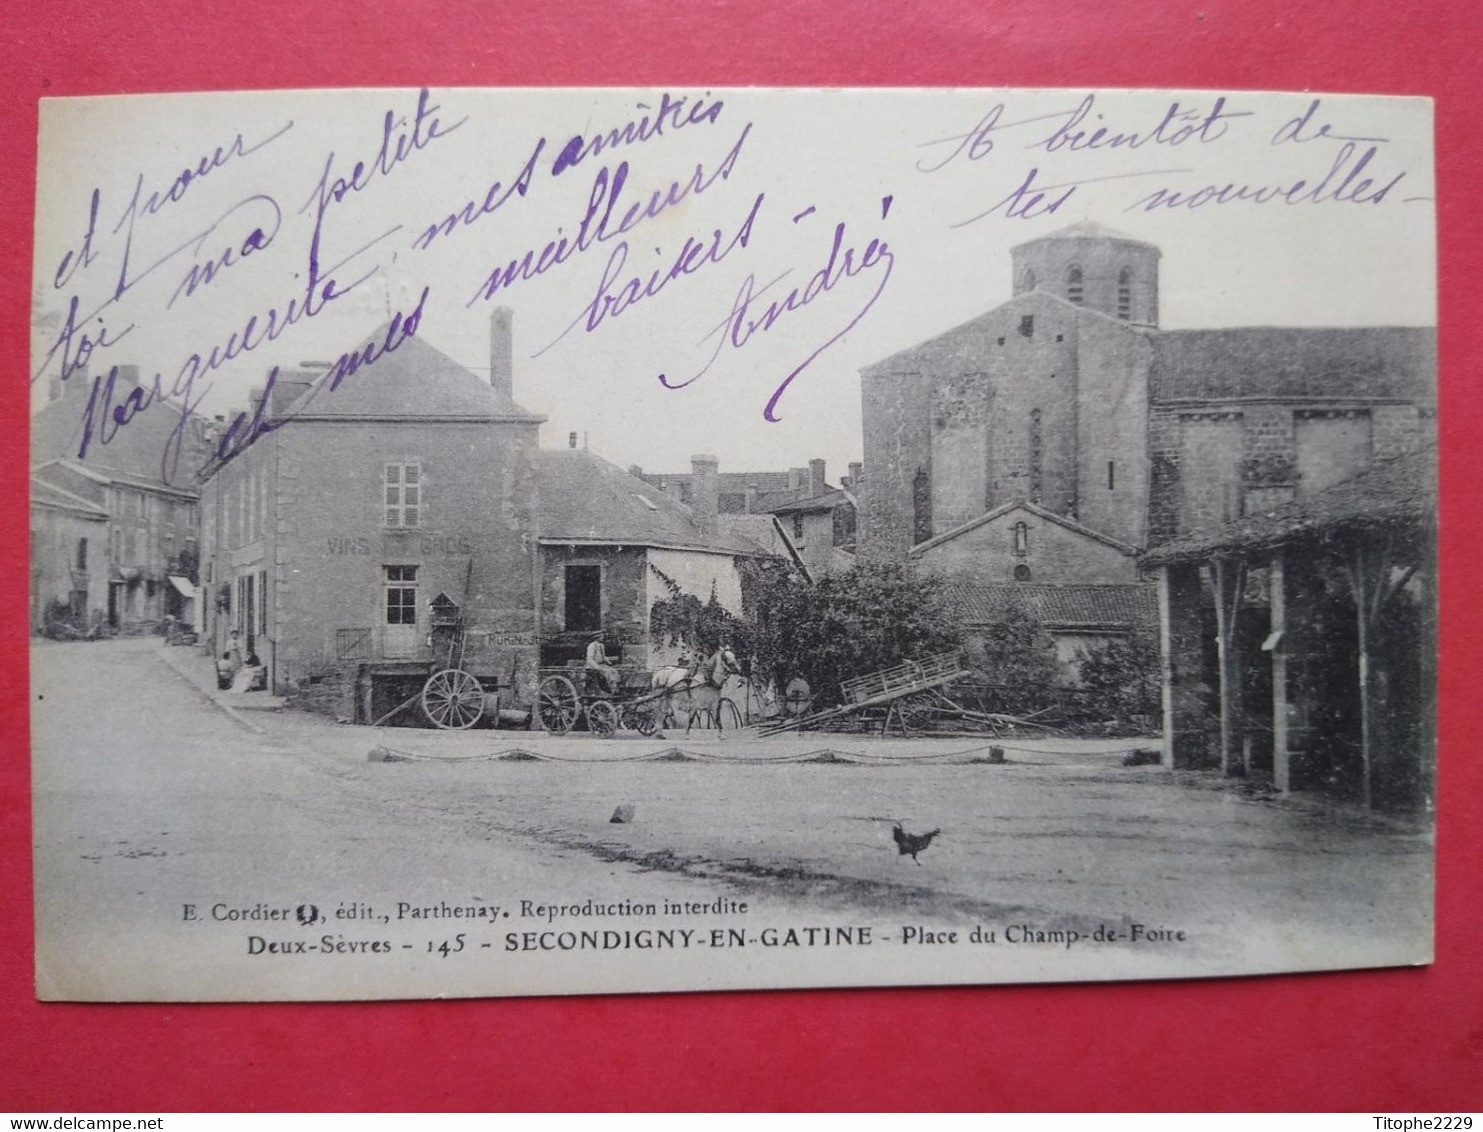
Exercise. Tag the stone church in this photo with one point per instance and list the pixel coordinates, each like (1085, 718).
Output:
(1051, 439)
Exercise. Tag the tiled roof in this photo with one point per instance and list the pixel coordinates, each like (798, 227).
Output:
(1088, 230)
(583, 498)
(1400, 491)
(414, 380)
(1267, 361)
(1133, 605)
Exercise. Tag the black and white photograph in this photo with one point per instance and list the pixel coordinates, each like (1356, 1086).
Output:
(513, 542)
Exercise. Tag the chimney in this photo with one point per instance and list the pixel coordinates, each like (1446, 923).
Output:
(502, 352)
(635, 471)
(857, 470)
(705, 492)
(79, 384)
(751, 499)
(795, 478)
(571, 440)
(815, 478)
(288, 387)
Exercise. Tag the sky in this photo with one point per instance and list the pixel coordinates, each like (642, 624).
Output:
(871, 220)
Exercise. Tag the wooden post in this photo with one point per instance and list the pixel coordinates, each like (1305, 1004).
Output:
(1229, 578)
(1181, 670)
(1370, 578)
(1277, 597)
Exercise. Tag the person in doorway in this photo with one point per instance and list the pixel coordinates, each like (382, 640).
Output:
(597, 662)
(251, 677)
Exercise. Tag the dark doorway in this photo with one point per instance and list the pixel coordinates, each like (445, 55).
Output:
(583, 598)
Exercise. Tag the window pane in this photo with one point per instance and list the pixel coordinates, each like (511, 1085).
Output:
(413, 473)
(393, 494)
(410, 496)
(410, 519)
(393, 473)
(392, 517)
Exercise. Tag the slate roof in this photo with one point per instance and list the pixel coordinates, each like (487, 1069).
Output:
(585, 499)
(1268, 361)
(134, 450)
(415, 380)
(1401, 491)
(1131, 605)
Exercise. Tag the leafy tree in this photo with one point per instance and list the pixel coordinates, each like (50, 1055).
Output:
(1121, 678)
(847, 624)
(1014, 651)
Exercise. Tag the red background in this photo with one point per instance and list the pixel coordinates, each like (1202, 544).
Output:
(1387, 1040)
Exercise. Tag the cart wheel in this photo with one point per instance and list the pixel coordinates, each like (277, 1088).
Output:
(558, 706)
(602, 718)
(452, 699)
(638, 717)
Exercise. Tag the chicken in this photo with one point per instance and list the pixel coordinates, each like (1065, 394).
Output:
(912, 843)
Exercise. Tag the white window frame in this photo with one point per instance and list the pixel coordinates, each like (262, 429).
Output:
(394, 577)
(402, 494)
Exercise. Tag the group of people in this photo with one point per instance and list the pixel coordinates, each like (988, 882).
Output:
(239, 669)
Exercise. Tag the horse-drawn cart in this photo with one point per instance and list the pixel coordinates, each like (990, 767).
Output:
(643, 701)
(573, 693)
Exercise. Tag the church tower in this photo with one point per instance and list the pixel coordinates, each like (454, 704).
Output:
(1093, 267)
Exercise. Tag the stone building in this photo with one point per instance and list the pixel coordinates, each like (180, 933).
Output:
(407, 521)
(1299, 643)
(1070, 397)
(142, 562)
(69, 565)
(817, 520)
(377, 526)
(1050, 439)
(608, 540)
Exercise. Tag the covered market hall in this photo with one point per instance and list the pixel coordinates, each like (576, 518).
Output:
(1298, 643)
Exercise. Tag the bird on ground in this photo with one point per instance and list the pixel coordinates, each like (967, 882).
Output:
(911, 843)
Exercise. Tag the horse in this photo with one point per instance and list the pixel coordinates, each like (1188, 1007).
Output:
(696, 690)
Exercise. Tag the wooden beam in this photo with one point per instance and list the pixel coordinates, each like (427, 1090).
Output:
(1278, 638)
(1229, 577)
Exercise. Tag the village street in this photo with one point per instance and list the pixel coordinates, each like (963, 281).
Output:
(181, 851)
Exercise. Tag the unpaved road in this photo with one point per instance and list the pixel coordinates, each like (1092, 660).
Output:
(149, 799)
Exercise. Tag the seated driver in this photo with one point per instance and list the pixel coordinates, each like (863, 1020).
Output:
(597, 661)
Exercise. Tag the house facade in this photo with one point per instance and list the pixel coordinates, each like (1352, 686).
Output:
(69, 561)
(385, 523)
(608, 542)
(817, 520)
(148, 551)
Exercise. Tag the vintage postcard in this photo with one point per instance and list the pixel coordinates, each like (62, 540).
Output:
(502, 542)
